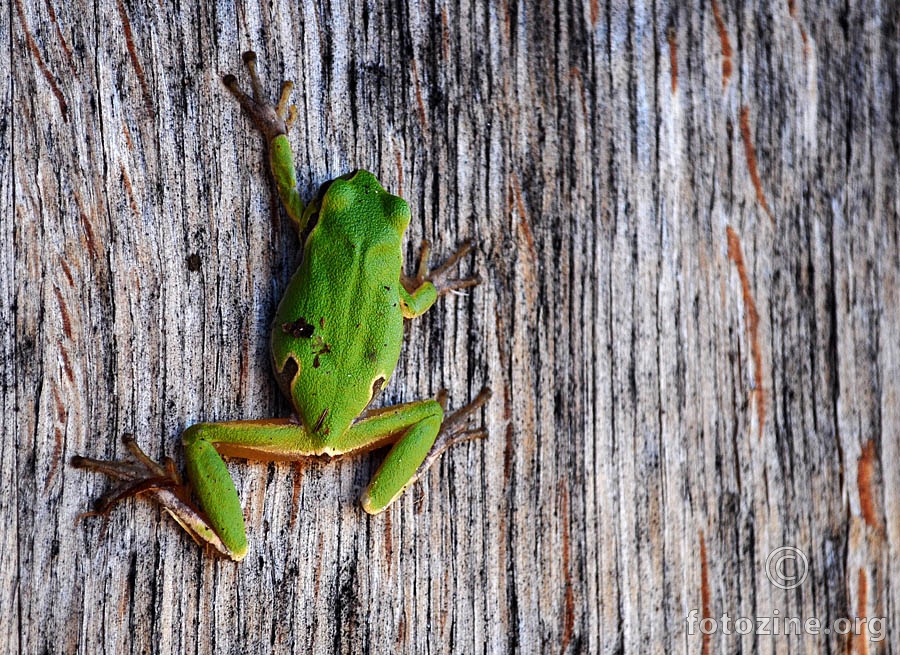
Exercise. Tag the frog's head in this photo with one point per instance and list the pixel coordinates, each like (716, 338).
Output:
(362, 190)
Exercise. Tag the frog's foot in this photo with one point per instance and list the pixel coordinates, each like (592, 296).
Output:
(454, 428)
(440, 277)
(161, 482)
(271, 120)
(134, 476)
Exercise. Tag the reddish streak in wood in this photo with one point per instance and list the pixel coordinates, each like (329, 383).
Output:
(67, 365)
(297, 472)
(67, 271)
(132, 52)
(127, 134)
(861, 640)
(507, 19)
(726, 43)
(68, 52)
(86, 223)
(60, 407)
(865, 472)
(751, 160)
(673, 58)
(569, 617)
(575, 74)
(421, 104)
(51, 80)
(523, 218)
(705, 602)
(89, 236)
(128, 190)
(792, 9)
(445, 34)
(752, 317)
(55, 457)
(595, 12)
(64, 313)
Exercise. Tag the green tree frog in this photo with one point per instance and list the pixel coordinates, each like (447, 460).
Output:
(335, 342)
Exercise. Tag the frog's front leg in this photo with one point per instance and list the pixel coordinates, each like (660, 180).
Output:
(418, 294)
(273, 121)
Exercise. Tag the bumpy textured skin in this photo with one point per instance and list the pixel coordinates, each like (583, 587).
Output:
(340, 319)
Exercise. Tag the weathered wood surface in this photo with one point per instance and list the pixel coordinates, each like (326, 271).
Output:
(687, 215)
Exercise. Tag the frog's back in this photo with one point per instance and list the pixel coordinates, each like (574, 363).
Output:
(339, 327)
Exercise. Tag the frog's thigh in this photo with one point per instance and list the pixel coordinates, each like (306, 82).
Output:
(204, 443)
(266, 440)
(412, 428)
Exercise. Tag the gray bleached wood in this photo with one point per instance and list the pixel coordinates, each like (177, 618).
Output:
(687, 222)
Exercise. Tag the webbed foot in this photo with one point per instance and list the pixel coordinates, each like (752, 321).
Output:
(454, 429)
(161, 482)
(440, 277)
(271, 120)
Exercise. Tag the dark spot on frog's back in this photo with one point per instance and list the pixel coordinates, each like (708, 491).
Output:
(299, 329)
(194, 262)
(320, 348)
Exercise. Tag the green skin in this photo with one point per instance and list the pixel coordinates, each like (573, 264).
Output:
(336, 340)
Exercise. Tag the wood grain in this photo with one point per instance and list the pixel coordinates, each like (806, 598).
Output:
(688, 223)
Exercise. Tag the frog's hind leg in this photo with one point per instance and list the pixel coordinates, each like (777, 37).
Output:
(453, 430)
(143, 476)
(419, 434)
(411, 428)
(265, 440)
(219, 522)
